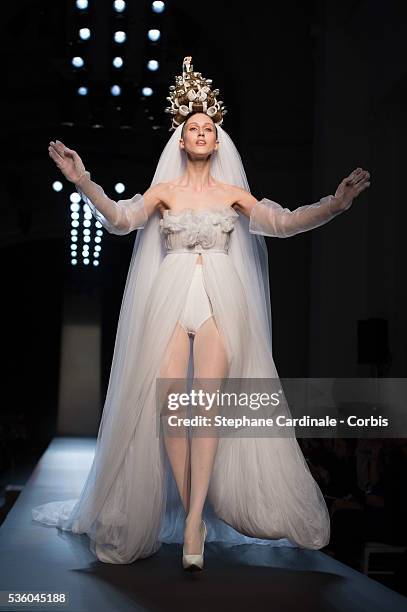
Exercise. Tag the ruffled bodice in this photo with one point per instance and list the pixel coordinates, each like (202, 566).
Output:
(194, 231)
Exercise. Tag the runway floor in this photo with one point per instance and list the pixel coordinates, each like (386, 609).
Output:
(39, 559)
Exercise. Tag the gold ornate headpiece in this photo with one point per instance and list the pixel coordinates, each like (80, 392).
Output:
(192, 93)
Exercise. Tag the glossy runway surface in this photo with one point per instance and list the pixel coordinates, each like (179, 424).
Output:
(35, 558)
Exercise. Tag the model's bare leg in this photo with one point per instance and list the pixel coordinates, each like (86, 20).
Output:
(210, 362)
(175, 365)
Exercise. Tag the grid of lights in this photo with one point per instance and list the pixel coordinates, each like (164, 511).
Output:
(84, 246)
(83, 36)
(86, 232)
(119, 38)
(152, 65)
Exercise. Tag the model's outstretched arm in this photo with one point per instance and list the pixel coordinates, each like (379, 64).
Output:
(121, 217)
(270, 219)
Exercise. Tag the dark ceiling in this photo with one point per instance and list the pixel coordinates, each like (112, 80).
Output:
(252, 56)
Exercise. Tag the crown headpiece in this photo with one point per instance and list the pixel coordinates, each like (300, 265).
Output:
(192, 93)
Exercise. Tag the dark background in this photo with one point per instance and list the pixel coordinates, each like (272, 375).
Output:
(313, 89)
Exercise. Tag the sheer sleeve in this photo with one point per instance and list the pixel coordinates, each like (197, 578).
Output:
(121, 217)
(270, 219)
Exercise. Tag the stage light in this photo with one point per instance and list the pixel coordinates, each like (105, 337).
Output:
(154, 35)
(84, 33)
(75, 223)
(57, 186)
(74, 238)
(77, 62)
(75, 207)
(74, 262)
(158, 6)
(95, 262)
(118, 62)
(75, 215)
(119, 36)
(74, 232)
(86, 223)
(99, 233)
(75, 197)
(96, 254)
(86, 232)
(152, 65)
(119, 5)
(119, 187)
(98, 247)
(82, 4)
(98, 239)
(86, 238)
(74, 247)
(98, 224)
(115, 90)
(147, 91)
(86, 261)
(83, 91)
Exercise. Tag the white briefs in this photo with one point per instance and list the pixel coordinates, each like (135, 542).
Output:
(197, 307)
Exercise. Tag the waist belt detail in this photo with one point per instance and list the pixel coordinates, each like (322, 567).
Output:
(196, 250)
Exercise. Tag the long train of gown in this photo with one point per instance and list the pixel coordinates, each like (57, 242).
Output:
(261, 489)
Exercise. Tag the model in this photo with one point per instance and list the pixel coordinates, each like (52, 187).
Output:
(199, 270)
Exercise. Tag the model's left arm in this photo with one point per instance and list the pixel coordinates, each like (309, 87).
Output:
(270, 219)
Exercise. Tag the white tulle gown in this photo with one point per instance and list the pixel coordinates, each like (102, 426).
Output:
(261, 489)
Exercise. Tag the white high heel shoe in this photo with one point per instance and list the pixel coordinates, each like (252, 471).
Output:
(194, 562)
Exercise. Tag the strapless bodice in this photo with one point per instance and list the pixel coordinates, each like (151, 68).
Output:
(198, 230)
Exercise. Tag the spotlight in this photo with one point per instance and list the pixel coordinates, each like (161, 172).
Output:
(115, 90)
(158, 6)
(78, 62)
(82, 91)
(147, 91)
(152, 65)
(74, 262)
(82, 4)
(75, 197)
(119, 36)
(119, 5)
(154, 35)
(57, 186)
(84, 33)
(118, 62)
(119, 187)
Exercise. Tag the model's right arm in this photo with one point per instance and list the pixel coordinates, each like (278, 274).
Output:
(121, 217)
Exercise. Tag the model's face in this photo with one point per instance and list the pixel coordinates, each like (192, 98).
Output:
(199, 136)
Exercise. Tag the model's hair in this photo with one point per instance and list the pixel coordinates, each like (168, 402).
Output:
(198, 113)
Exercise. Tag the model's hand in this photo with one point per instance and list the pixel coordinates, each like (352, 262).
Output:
(351, 187)
(67, 160)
